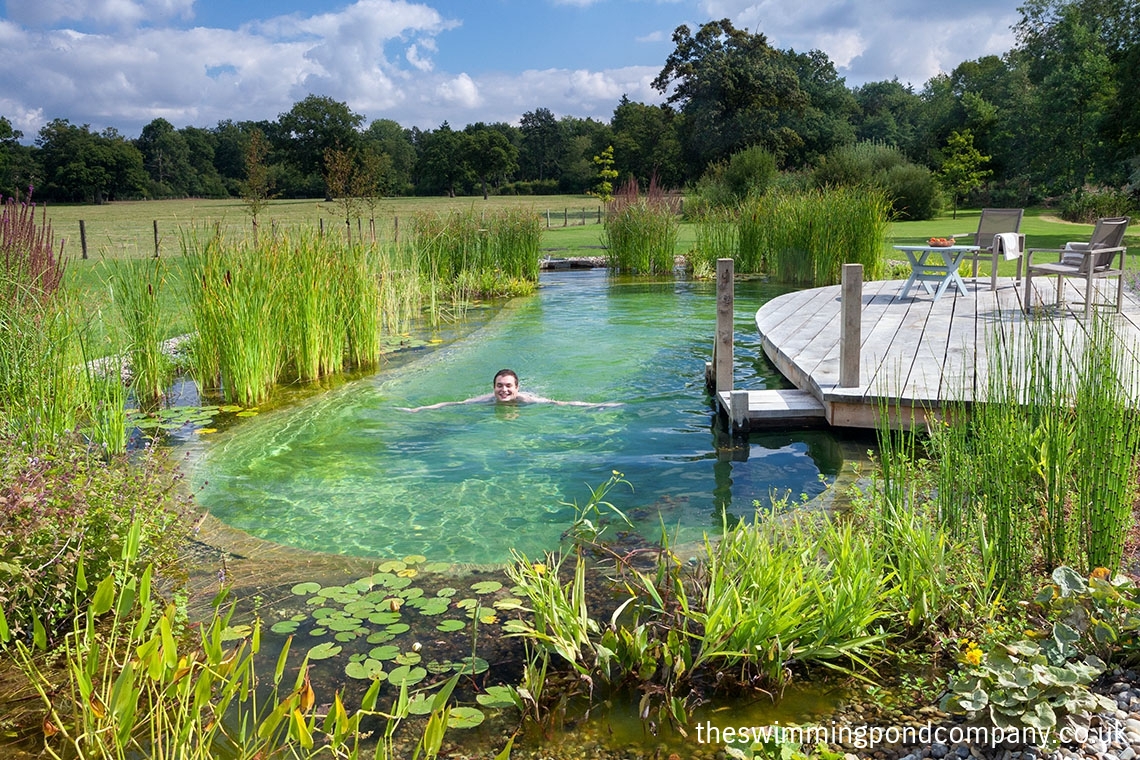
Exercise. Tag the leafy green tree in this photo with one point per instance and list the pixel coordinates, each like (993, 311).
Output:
(14, 159)
(489, 154)
(604, 189)
(205, 181)
(961, 172)
(646, 143)
(582, 140)
(543, 145)
(257, 189)
(80, 165)
(307, 130)
(441, 166)
(734, 89)
(825, 122)
(387, 137)
(887, 112)
(166, 157)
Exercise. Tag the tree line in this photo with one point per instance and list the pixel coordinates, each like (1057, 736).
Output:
(1055, 116)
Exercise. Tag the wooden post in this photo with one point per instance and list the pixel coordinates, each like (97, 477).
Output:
(599, 214)
(566, 217)
(851, 325)
(83, 237)
(722, 351)
(395, 229)
(156, 238)
(738, 403)
(547, 218)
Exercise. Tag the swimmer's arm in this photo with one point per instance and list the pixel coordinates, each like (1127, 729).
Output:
(540, 400)
(441, 404)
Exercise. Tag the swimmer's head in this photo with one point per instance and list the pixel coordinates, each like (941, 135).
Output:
(506, 385)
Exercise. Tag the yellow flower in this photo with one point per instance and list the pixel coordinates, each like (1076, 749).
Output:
(1101, 574)
(974, 656)
(539, 568)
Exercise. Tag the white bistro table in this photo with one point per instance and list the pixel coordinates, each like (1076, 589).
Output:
(942, 270)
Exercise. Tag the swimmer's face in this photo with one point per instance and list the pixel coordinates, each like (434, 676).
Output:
(506, 388)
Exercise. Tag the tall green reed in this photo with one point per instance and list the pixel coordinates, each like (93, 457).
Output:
(136, 291)
(640, 232)
(716, 239)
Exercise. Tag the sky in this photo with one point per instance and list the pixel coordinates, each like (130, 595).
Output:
(123, 63)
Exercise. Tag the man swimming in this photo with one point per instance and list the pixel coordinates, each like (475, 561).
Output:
(505, 390)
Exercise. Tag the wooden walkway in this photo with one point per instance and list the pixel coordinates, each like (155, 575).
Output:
(915, 353)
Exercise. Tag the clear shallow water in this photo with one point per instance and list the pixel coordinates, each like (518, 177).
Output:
(348, 472)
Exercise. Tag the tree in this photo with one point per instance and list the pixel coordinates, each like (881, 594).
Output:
(257, 188)
(14, 160)
(166, 157)
(824, 123)
(887, 113)
(441, 166)
(646, 143)
(604, 189)
(542, 144)
(80, 165)
(387, 137)
(489, 154)
(734, 90)
(307, 130)
(962, 171)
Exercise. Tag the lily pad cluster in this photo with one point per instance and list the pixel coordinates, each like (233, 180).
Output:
(381, 617)
(200, 418)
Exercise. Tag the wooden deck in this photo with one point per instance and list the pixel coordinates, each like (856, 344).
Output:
(914, 351)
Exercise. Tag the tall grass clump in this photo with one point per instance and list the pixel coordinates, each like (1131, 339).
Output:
(235, 298)
(1045, 462)
(807, 237)
(716, 239)
(136, 291)
(640, 233)
(474, 254)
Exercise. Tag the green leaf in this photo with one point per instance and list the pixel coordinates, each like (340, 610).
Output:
(497, 697)
(486, 587)
(365, 670)
(306, 589)
(324, 651)
(449, 626)
(464, 717)
(1069, 581)
(104, 596)
(407, 675)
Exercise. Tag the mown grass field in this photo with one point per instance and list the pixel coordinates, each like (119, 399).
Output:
(123, 231)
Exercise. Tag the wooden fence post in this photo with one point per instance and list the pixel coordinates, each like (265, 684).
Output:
(83, 237)
(851, 326)
(156, 238)
(722, 350)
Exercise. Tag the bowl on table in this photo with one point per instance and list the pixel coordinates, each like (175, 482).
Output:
(940, 242)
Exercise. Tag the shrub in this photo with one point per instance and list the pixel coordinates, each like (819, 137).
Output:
(1088, 204)
(62, 502)
(746, 174)
(913, 191)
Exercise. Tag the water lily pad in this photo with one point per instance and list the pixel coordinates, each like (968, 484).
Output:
(391, 566)
(300, 617)
(446, 592)
(397, 628)
(359, 606)
(415, 559)
(331, 591)
(449, 626)
(397, 583)
(408, 658)
(323, 612)
(383, 618)
(435, 606)
(497, 697)
(234, 632)
(205, 430)
(467, 604)
(486, 587)
(343, 623)
(408, 572)
(324, 651)
(248, 413)
(229, 408)
(386, 652)
(508, 604)
(464, 717)
(438, 668)
(345, 636)
(379, 637)
(420, 704)
(472, 665)
(488, 618)
(366, 670)
(406, 674)
(379, 579)
(411, 593)
(285, 626)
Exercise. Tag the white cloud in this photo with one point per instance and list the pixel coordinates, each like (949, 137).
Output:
(109, 13)
(657, 36)
(460, 91)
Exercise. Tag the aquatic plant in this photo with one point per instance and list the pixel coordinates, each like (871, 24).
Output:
(640, 233)
(136, 290)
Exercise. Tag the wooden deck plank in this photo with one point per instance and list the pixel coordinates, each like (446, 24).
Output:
(917, 350)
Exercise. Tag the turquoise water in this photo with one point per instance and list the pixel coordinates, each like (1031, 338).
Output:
(348, 472)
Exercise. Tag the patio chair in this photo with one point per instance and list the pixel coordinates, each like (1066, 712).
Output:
(1100, 258)
(991, 223)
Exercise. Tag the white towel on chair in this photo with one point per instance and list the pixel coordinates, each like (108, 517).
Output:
(1008, 243)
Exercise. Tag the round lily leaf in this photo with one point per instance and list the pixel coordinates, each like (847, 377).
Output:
(300, 617)
(368, 669)
(464, 717)
(446, 592)
(408, 658)
(408, 572)
(343, 623)
(420, 704)
(467, 604)
(438, 668)
(411, 593)
(248, 413)
(391, 566)
(508, 604)
(234, 632)
(449, 626)
(379, 637)
(497, 697)
(399, 583)
(435, 606)
(380, 579)
(229, 408)
(397, 628)
(318, 631)
(472, 665)
(415, 559)
(359, 606)
(285, 626)
(345, 636)
(386, 652)
(406, 674)
(383, 618)
(486, 587)
(324, 612)
(324, 651)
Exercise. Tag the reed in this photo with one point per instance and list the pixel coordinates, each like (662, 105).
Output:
(716, 239)
(137, 292)
(312, 293)
(808, 236)
(478, 254)
(640, 233)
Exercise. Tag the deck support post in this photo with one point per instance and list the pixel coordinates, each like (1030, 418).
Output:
(851, 325)
(722, 348)
(738, 404)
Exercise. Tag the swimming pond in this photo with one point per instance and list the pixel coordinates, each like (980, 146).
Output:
(349, 472)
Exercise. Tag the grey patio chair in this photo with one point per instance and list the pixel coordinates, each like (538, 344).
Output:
(1101, 257)
(990, 223)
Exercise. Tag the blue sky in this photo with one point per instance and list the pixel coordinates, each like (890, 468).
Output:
(122, 63)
